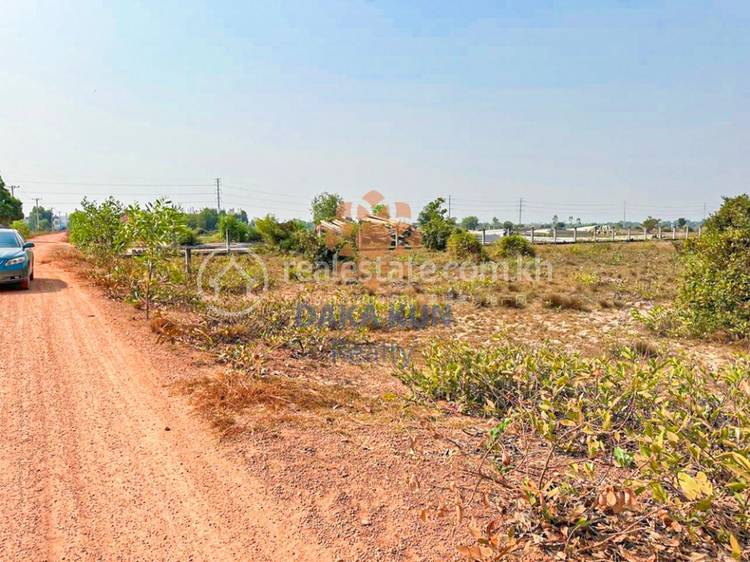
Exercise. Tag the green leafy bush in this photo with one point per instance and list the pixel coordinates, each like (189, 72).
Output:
(154, 230)
(188, 237)
(289, 236)
(464, 246)
(326, 206)
(11, 208)
(98, 230)
(714, 295)
(22, 228)
(682, 431)
(435, 226)
(237, 230)
(514, 245)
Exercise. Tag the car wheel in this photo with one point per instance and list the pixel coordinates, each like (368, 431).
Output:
(25, 284)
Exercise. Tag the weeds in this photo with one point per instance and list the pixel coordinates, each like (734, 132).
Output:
(680, 434)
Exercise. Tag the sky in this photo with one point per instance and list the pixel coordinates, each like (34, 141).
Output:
(586, 109)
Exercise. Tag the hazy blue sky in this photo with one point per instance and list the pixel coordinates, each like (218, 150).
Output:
(574, 106)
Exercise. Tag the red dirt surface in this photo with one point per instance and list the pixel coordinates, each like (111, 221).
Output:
(101, 461)
(98, 462)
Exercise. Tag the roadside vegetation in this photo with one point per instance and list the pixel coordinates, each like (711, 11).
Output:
(652, 455)
(713, 300)
(39, 220)
(619, 428)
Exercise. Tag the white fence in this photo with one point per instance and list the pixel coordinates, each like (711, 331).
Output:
(588, 234)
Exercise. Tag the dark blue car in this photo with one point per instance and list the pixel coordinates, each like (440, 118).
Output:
(16, 259)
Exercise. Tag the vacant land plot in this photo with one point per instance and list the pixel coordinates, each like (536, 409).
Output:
(511, 408)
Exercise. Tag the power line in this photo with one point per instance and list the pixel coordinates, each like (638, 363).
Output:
(116, 184)
(250, 190)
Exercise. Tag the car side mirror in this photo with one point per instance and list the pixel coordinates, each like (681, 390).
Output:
(28, 245)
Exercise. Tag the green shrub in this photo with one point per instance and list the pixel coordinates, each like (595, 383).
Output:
(435, 226)
(326, 206)
(464, 246)
(11, 208)
(22, 228)
(514, 245)
(98, 230)
(232, 225)
(289, 236)
(188, 237)
(681, 430)
(714, 295)
(154, 229)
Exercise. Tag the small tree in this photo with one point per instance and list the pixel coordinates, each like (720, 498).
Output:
(98, 229)
(11, 208)
(650, 223)
(154, 229)
(714, 295)
(40, 219)
(470, 223)
(325, 206)
(434, 225)
(232, 224)
(206, 219)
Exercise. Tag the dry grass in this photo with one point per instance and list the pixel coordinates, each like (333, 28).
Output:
(565, 302)
(639, 349)
(225, 397)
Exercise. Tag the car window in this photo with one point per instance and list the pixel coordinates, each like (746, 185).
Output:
(9, 240)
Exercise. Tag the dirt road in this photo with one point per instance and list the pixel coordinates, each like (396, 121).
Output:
(97, 462)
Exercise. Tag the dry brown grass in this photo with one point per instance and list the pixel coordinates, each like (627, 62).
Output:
(165, 329)
(225, 397)
(565, 302)
(641, 349)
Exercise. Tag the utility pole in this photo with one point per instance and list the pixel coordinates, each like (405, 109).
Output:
(13, 189)
(449, 206)
(704, 212)
(624, 213)
(520, 211)
(218, 195)
(36, 211)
